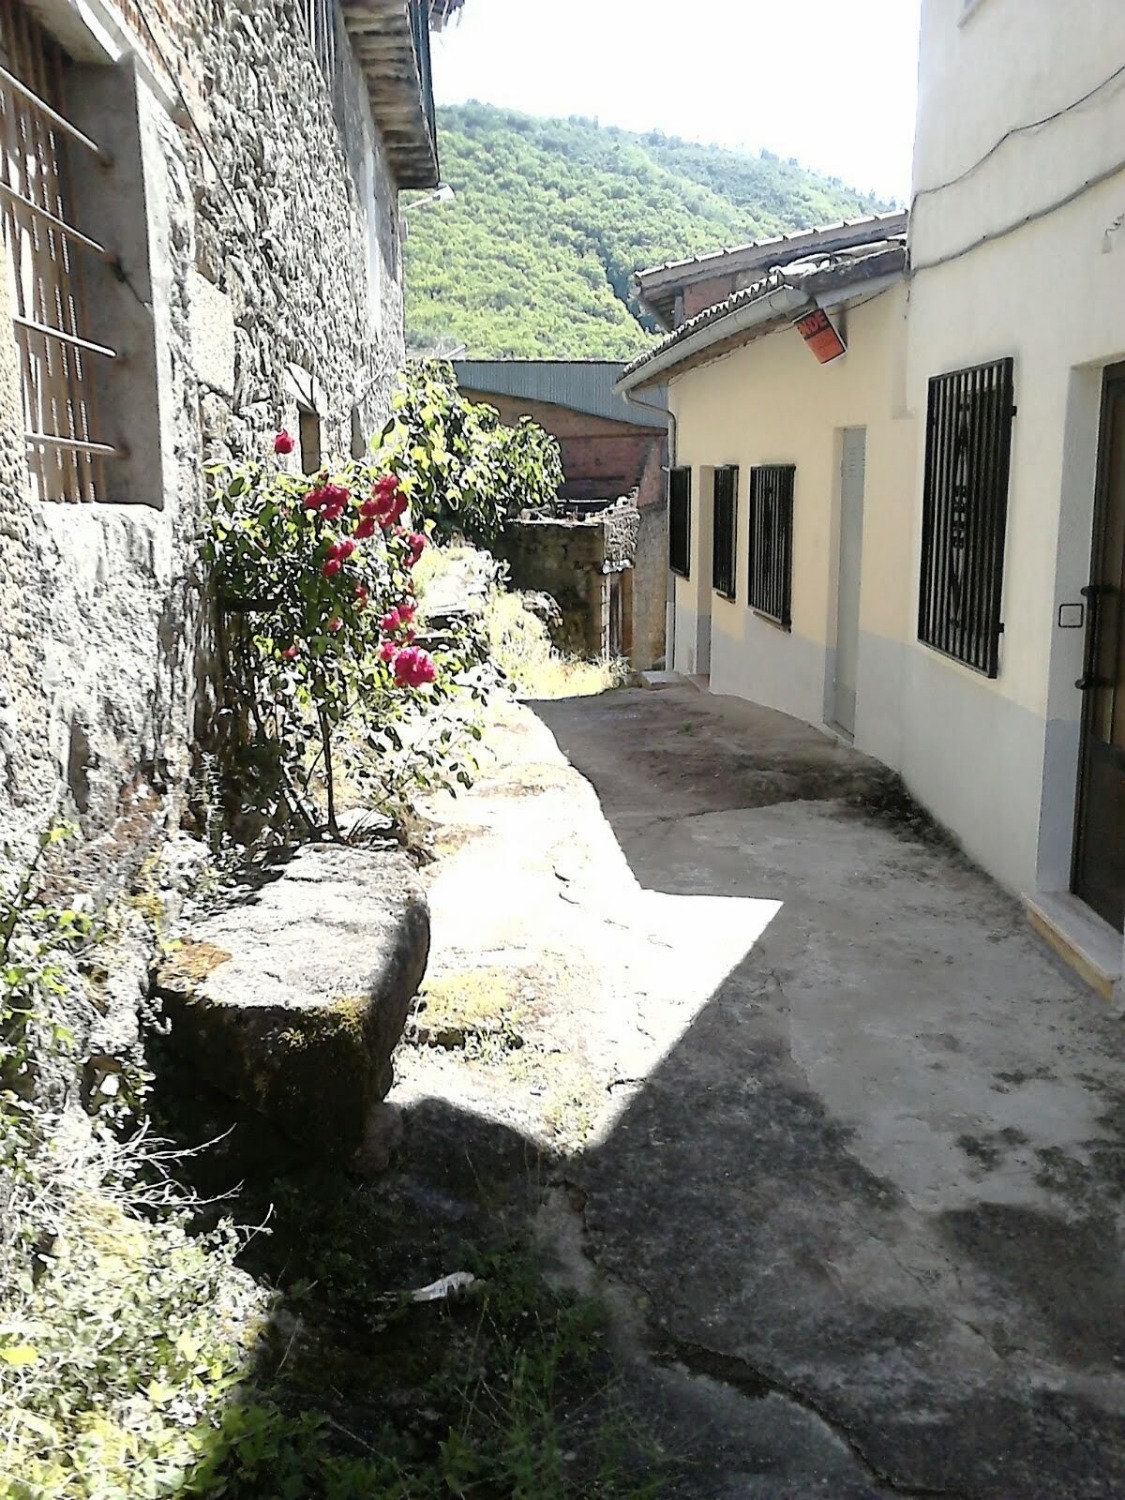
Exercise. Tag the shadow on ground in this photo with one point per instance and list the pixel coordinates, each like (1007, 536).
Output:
(858, 1233)
(882, 1173)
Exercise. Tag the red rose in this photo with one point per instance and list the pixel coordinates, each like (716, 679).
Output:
(342, 549)
(406, 613)
(404, 667)
(387, 485)
(390, 621)
(283, 443)
(414, 667)
(365, 528)
(387, 651)
(313, 500)
(335, 623)
(290, 652)
(417, 543)
(331, 567)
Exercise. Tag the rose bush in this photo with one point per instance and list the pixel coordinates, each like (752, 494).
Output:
(466, 470)
(313, 583)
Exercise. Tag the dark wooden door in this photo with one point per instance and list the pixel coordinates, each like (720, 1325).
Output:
(1099, 866)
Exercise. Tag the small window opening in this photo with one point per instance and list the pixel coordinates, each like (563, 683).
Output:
(310, 442)
(723, 577)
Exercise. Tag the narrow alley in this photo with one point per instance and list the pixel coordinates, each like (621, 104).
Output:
(842, 1143)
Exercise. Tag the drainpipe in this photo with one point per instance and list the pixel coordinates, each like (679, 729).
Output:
(670, 594)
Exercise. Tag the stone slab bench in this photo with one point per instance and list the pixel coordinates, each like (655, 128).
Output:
(293, 993)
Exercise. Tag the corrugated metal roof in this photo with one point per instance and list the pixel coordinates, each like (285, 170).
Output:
(581, 385)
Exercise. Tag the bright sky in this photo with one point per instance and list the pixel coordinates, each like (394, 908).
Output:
(828, 82)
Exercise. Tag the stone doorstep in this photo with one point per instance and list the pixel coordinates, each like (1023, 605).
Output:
(654, 679)
(1087, 944)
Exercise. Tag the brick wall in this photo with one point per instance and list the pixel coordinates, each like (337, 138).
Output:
(704, 294)
(602, 459)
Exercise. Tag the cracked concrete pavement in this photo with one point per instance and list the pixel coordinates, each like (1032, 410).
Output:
(849, 1144)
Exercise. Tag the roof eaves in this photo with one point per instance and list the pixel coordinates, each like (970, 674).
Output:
(804, 280)
(839, 234)
(767, 302)
(390, 40)
(443, 11)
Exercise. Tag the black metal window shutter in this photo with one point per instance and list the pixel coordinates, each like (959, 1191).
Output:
(723, 577)
(771, 541)
(679, 521)
(964, 513)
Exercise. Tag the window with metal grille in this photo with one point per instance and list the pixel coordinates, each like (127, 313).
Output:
(64, 454)
(723, 579)
(679, 521)
(964, 513)
(320, 23)
(770, 572)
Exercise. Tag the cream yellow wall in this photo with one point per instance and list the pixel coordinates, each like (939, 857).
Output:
(770, 402)
(1017, 248)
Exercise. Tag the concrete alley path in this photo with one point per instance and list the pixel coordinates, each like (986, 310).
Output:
(845, 1142)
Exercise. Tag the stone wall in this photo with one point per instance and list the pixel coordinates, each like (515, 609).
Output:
(607, 460)
(266, 273)
(586, 567)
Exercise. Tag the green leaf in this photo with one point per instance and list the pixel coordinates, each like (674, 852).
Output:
(19, 1354)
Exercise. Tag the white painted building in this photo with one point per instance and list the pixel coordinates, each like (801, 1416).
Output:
(946, 582)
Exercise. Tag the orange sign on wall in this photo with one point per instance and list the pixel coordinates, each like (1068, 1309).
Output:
(818, 333)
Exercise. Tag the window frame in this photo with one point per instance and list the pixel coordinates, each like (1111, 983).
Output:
(769, 577)
(47, 256)
(678, 524)
(724, 540)
(965, 491)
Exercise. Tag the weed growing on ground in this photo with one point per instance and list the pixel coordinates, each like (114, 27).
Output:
(521, 647)
(507, 1391)
(120, 1336)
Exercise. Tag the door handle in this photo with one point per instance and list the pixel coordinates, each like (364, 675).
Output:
(1094, 592)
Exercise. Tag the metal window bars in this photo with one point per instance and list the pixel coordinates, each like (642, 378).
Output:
(320, 22)
(679, 521)
(723, 572)
(770, 582)
(64, 454)
(964, 513)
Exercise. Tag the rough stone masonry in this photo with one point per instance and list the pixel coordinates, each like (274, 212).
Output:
(255, 214)
(248, 203)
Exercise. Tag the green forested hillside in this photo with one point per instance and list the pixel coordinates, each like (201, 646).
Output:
(533, 257)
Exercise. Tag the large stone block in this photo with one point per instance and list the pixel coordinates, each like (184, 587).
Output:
(212, 334)
(292, 996)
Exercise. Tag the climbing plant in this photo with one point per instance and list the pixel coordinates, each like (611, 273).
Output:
(317, 608)
(465, 470)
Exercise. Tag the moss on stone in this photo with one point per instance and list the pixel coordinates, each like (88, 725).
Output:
(193, 961)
